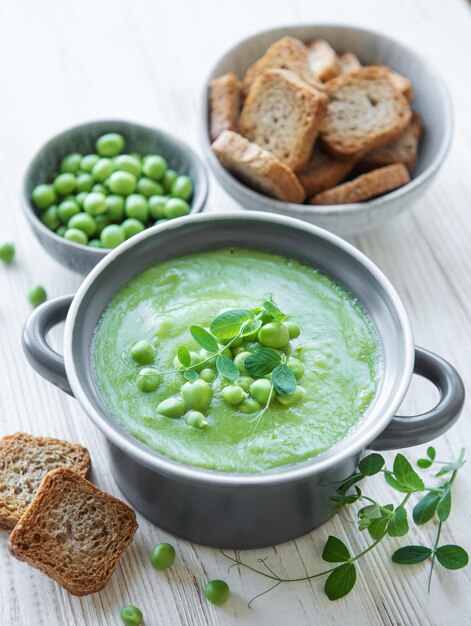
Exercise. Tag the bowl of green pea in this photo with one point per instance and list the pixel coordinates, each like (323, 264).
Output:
(94, 186)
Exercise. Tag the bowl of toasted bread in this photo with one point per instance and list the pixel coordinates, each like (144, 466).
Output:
(336, 125)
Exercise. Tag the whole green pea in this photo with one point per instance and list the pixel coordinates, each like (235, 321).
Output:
(162, 556)
(148, 187)
(174, 207)
(71, 162)
(293, 329)
(112, 236)
(67, 209)
(102, 170)
(217, 592)
(233, 394)
(95, 203)
(37, 295)
(136, 207)
(143, 352)
(148, 379)
(101, 221)
(88, 162)
(273, 335)
(154, 166)
(80, 197)
(172, 407)
(132, 227)
(128, 163)
(208, 374)
(64, 184)
(122, 183)
(83, 221)
(197, 395)
(61, 230)
(7, 253)
(293, 398)
(115, 207)
(182, 187)
(110, 144)
(95, 243)
(195, 360)
(296, 367)
(249, 405)
(240, 360)
(169, 178)
(76, 235)
(260, 390)
(196, 419)
(50, 218)
(84, 183)
(131, 615)
(245, 382)
(99, 188)
(156, 206)
(43, 196)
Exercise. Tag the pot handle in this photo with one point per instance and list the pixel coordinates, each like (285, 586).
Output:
(46, 361)
(405, 431)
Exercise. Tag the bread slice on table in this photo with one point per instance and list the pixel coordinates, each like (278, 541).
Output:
(401, 150)
(24, 461)
(73, 532)
(365, 186)
(366, 110)
(257, 167)
(282, 114)
(287, 54)
(348, 62)
(323, 60)
(323, 172)
(225, 98)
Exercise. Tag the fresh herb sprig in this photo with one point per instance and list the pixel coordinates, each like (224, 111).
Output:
(381, 521)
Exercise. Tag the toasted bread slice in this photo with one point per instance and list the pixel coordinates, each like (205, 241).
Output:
(282, 114)
(323, 60)
(73, 532)
(323, 172)
(285, 54)
(225, 98)
(402, 83)
(401, 150)
(365, 111)
(24, 461)
(257, 167)
(348, 62)
(365, 186)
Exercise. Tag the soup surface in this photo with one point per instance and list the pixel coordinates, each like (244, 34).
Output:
(337, 346)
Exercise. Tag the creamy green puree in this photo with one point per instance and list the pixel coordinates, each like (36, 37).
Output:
(337, 346)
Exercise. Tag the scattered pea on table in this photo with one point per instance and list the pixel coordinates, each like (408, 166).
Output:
(163, 556)
(217, 592)
(131, 615)
(37, 295)
(7, 252)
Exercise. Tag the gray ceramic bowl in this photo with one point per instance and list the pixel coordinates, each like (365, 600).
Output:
(243, 510)
(432, 101)
(82, 139)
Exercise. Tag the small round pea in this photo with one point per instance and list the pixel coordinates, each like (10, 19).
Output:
(67, 209)
(296, 367)
(43, 196)
(245, 382)
(172, 407)
(196, 419)
(157, 206)
(240, 360)
(64, 184)
(102, 221)
(148, 187)
(99, 188)
(83, 221)
(217, 592)
(112, 236)
(197, 395)
(260, 390)
(122, 183)
(233, 394)
(37, 295)
(95, 243)
(273, 335)
(148, 379)
(182, 187)
(95, 203)
(293, 398)
(143, 352)
(132, 227)
(131, 615)
(169, 178)
(84, 182)
(7, 252)
(163, 556)
(249, 405)
(128, 163)
(154, 166)
(102, 170)
(136, 207)
(293, 329)
(208, 374)
(162, 221)
(76, 235)
(110, 145)
(114, 207)
(50, 218)
(61, 230)
(174, 207)
(71, 162)
(88, 162)
(80, 197)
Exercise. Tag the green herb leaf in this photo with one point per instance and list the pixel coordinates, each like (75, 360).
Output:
(271, 308)
(251, 328)
(191, 375)
(378, 527)
(452, 557)
(262, 361)
(392, 482)
(406, 475)
(431, 453)
(228, 324)
(424, 463)
(335, 551)
(226, 368)
(410, 555)
(345, 500)
(453, 467)
(283, 380)
(444, 506)
(184, 357)
(204, 339)
(371, 464)
(425, 508)
(341, 581)
(372, 511)
(352, 480)
(398, 525)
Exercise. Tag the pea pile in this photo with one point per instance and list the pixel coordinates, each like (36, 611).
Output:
(102, 199)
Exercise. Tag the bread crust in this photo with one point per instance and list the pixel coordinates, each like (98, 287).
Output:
(366, 186)
(323, 60)
(323, 172)
(348, 62)
(225, 99)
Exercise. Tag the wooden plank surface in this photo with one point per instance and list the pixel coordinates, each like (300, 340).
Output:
(67, 62)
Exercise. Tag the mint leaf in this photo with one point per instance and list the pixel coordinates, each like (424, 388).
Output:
(283, 380)
(262, 362)
(398, 525)
(251, 328)
(228, 324)
(371, 464)
(335, 551)
(406, 475)
(191, 375)
(184, 357)
(271, 308)
(452, 557)
(425, 509)
(410, 555)
(204, 339)
(352, 480)
(431, 453)
(424, 463)
(341, 581)
(378, 527)
(392, 482)
(444, 506)
(226, 368)
(453, 467)
(372, 511)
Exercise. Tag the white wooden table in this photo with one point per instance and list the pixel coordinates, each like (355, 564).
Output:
(66, 62)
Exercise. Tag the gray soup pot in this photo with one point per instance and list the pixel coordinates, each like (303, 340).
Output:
(243, 510)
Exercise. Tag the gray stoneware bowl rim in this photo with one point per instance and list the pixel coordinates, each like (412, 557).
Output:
(344, 449)
(100, 253)
(339, 209)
